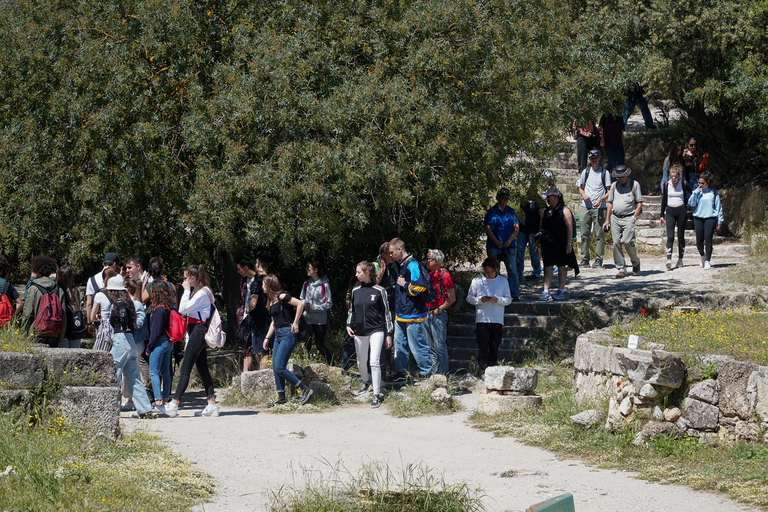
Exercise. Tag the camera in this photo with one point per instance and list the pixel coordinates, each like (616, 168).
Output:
(537, 236)
(606, 228)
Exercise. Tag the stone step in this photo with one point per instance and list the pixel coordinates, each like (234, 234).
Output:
(470, 342)
(510, 319)
(468, 330)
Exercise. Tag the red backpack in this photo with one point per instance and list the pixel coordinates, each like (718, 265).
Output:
(6, 309)
(177, 326)
(49, 312)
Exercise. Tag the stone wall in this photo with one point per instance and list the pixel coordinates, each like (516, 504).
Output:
(730, 405)
(79, 384)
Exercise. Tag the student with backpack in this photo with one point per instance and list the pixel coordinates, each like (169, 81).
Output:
(197, 304)
(43, 315)
(285, 312)
(10, 300)
(436, 324)
(114, 309)
(77, 327)
(594, 184)
(316, 294)
(160, 346)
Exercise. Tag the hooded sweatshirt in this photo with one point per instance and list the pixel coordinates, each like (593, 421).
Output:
(317, 301)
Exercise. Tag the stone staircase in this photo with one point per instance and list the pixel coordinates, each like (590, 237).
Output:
(523, 322)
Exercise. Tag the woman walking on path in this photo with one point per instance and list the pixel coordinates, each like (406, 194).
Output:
(160, 346)
(674, 198)
(285, 326)
(490, 293)
(196, 305)
(707, 216)
(316, 295)
(556, 243)
(369, 322)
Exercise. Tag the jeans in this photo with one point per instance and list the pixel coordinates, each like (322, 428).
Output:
(195, 354)
(160, 366)
(285, 342)
(705, 230)
(372, 344)
(592, 219)
(488, 342)
(435, 332)
(615, 156)
(124, 355)
(523, 240)
(676, 216)
(411, 335)
(508, 255)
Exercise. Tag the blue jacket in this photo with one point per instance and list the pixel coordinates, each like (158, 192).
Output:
(409, 306)
(706, 204)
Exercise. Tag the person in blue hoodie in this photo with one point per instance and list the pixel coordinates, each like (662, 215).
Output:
(707, 216)
(410, 313)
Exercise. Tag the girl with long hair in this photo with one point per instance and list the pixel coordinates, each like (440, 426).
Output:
(707, 216)
(196, 303)
(285, 326)
(65, 279)
(160, 346)
(316, 294)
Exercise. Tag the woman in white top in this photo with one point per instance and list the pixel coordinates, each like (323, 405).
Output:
(196, 305)
(490, 293)
(674, 198)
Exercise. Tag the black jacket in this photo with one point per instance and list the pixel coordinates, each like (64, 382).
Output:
(369, 310)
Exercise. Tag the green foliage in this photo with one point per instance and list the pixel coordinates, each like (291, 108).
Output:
(202, 128)
(415, 401)
(12, 340)
(376, 486)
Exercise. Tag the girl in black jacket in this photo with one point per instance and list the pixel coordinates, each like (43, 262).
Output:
(368, 322)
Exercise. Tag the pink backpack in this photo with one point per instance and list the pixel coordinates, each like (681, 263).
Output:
(215, 337)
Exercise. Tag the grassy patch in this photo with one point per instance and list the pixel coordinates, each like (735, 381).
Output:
(55, 468)
(740, 334)
(415, 401)
(738, 470)
(554, 344)
(414, 488)
(12, 340)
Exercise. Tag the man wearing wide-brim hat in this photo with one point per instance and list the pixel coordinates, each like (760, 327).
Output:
(625, 204)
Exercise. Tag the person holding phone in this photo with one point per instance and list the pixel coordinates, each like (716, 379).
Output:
(707, 216)
(490, 294)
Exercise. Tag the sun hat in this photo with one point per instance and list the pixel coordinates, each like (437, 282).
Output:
(621, 171)
(554, 191)
(116, 283)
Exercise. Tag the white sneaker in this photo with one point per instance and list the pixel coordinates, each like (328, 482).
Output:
(171, 409)
(669, 263)
(211, 410)
(707, 266)
(703, 260)
(158, 409)
(679, 263)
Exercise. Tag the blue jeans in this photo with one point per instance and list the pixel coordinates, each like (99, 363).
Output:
(124, 354)
(285, 341)
(411, 335)
(508, 255)
(160, 366)
(523, 240)
(435, 332)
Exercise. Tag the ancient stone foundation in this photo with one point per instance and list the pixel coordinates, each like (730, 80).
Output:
(509, 388)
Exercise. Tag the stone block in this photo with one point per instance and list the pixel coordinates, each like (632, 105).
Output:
(672, 414)
(733, 377)
(14, 398)
(588, 418)
(435, 382)
(593, 357)
(507, 378)
(316, 371)
(441, 396)
(91, 408)
(295, 369)
(591, 385)
(321, 390)
(658, 367)
(757, 392)
(19, 370)
(258, 383)
(745, 431)
(707, 391)
(651, 430)
(700, 415)
(658, 414)
(80, 367)
(500, 404)
(648, 393)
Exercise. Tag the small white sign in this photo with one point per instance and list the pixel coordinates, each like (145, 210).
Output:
(633, 341)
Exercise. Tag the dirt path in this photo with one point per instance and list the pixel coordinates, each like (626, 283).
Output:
(250, 452)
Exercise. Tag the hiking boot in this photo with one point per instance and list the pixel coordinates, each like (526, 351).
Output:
(171, 409)
(305, 394)
(621, 275)
(559, 295)
(545, 296)
(636, 269)
(363, 388)
(597, 264)
(211, 410)
(376, 402)
(583, 264)
(669, 263)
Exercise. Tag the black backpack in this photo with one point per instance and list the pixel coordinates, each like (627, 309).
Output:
(119, 318)
(430, 294)
(77, 327)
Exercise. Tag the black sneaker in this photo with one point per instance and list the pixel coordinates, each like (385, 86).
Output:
(279, 401)
(305, 394)
(399, 378)
(363, 388)
(376, 402)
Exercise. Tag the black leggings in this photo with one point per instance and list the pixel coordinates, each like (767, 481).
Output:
(705, 229)
(676, 216)
(318, 332)
(488, 341)
(195, 354)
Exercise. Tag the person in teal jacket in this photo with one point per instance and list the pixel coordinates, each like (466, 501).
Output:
(707, 216)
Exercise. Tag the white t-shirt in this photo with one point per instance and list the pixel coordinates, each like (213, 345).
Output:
(89, 285)
(675, 196)
(595, 184)
(106, 305)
